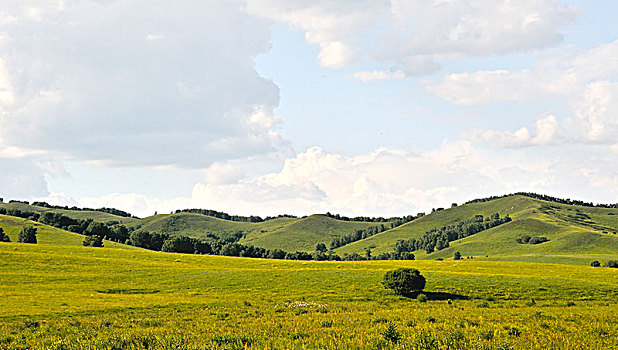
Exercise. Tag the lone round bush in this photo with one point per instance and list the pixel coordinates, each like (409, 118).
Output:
(404, 281)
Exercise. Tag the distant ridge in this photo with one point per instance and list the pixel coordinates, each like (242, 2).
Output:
(546, 198)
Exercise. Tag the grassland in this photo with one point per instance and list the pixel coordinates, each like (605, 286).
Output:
(72, 297)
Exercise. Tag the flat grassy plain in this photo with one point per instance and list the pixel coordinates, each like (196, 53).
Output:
(72, 297)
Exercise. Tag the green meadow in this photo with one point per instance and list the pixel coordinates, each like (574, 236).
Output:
(71, 297)
(58, 294)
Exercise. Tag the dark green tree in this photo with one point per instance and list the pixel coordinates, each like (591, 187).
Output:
(27, 235)
(595, 263)
(321, 247)
(179, 245)
(97, 229)
(140, 239)
(404, 281)
(93, 241)
(457, 256)
(3, 236)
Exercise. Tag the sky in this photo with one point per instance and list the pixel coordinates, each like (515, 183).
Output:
(267, 107)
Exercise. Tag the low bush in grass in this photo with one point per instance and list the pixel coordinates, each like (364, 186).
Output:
(404, 281)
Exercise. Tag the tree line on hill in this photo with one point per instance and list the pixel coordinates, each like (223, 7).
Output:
(356, 236)
(226, 216)
(546, 198)
(368, 232)
(112, 211)
(397, 220)
(437, 239)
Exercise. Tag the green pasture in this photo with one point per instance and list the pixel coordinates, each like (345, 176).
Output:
(73, 297)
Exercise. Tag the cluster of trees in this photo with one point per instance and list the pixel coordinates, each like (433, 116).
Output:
(525, 239)
(27, 235)
(111, 231)
(546, 198)
(395, 221)
(356, 236)
(439, 238)
(226, 216)
(368, 232)
(20, 213)
(93, 241)
(113, 211)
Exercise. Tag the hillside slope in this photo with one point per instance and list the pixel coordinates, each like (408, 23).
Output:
(304, 234)
(74, 214)
(48, 235)
(289, 234)
(572, 231)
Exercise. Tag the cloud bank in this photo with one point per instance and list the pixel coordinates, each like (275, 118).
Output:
(135, 83)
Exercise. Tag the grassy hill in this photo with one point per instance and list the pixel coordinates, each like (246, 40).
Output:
(75, 214)
(48, 235)
(304, 234)
(580, 233)
(72, 297)
(577, 234)
(290, 234)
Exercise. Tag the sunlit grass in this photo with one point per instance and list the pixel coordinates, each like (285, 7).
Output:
(71, 297)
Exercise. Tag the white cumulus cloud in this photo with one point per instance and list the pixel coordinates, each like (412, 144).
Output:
(403, 32)
(136, 82)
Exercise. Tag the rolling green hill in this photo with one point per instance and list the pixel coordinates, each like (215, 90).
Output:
(574, 232)
(74, 214)
(289, 234)
(48, 235)
(304, 234)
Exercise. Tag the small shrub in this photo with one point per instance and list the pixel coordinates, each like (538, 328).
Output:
(611, 264)
(31, 324)
(326, 324)
(514, 332)
(422, 298)
(430, 319)
(404, 281)
(390, 334)
(457, 256)
(595, 263)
